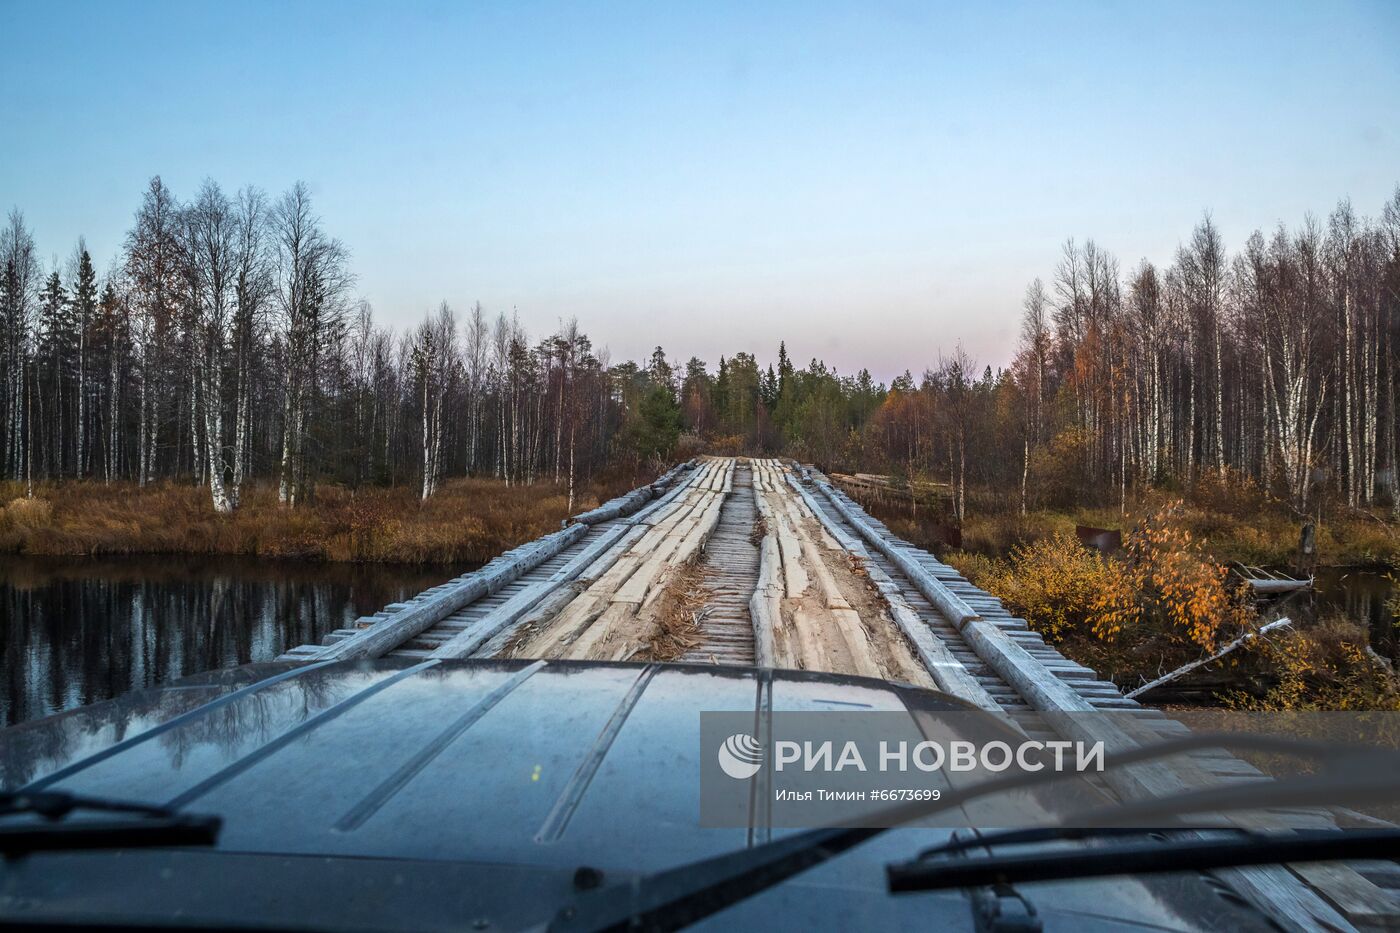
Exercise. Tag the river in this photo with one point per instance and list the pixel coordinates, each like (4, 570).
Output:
(1360, 595)
(80, 630)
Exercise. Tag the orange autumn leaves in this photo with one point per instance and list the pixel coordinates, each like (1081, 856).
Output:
(1179, 584)
(1063, 589)
(1164, 588)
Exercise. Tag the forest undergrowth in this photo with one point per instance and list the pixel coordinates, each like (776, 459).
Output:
(467, 520)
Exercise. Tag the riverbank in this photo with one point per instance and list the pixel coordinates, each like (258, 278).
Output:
(466, 521)
(1255, 536)
(1168, 598)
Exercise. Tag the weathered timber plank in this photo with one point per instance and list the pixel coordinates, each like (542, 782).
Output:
(473, 637)
(414, 618)
(765, 606)
(950, 674)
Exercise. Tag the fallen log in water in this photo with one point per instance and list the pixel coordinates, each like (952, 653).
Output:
(1216, 656)
(1270, 583)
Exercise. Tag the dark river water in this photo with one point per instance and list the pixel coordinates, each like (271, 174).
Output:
(75, 631)
(1360, 595)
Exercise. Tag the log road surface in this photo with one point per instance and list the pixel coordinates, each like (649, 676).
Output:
(742, 561)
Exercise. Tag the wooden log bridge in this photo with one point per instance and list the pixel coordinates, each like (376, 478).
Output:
(759, 562)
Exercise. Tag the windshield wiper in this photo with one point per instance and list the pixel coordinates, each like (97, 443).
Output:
(1047, 834)
(126, 824)
(678, 897)
(933, 874)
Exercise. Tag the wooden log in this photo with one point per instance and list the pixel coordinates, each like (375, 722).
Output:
(808, 650)
(1214, 656)
(634, 500)
(422, 614)
(780, 524)
(1274, 587)
(614, 508)
(466, 642)
(950, 674)
(765, 606)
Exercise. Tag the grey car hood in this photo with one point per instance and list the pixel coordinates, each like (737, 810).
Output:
(388, 794)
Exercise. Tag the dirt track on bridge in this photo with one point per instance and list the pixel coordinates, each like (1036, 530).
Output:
(646, 598)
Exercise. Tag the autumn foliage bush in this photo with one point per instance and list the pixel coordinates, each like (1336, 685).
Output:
(1063, 589)
(1323, 667)
(1181, 589)
(1162, 602)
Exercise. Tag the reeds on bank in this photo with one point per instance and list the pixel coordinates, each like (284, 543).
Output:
(466, 520)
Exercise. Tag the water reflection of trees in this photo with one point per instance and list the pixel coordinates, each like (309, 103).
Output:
(237, 728)
(32, 750)
(70, 639)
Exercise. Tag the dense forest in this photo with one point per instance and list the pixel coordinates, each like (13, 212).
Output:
(226, 344)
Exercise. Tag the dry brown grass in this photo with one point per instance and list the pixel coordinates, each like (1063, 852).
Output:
(23, 514)
(760, 531)
(678, 613)
(469, 520)
(1262, 535)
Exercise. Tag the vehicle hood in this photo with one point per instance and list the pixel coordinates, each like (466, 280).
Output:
(467, 790)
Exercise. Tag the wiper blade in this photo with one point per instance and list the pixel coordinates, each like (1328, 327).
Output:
(678, 897)
(1046, 834)
(935, 874)
(55, 805)
(673, 899)
(144, 824)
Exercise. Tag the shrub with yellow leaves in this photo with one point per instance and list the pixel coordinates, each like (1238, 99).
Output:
(1323, 667)
(1064, 589)
(1179, 587)
(1163, 602)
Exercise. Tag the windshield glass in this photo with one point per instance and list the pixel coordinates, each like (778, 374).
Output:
(915, 465)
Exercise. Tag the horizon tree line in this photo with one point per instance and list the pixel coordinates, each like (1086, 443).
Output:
(1277, 362)
(225, 343)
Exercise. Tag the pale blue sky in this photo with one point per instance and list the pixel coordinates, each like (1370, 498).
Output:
(869, 182)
